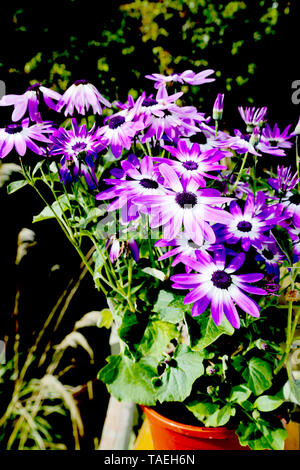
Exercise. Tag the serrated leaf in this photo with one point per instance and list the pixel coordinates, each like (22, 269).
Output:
(129, 381)
(176, 381)
(167, 308)
(239, 394)
(15, 186)
(258, 375)
(203, 331)
(268, 402)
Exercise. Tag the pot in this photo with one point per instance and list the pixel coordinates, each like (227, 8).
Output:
(171, 435)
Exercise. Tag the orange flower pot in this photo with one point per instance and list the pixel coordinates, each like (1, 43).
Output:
(170, 435)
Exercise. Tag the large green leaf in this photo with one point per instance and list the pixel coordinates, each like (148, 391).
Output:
(258, 375)
(220, 417)
(130, 381)
(268, 402)
(239, 394)
(15, 186)
(56, 209)
(201, 409)
(157, 337)
(175, 384)
(168, 307)
(203, 331)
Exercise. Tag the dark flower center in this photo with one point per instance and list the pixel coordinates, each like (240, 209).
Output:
(244, 226)
(33, 87)
(79, 146)
(295, 199)
(116, 122)
(81, 82)
(149, 102)
(13, 128)
(267, 254)
(273, 143)
(149, 184)
(221, 279)
(190, 165)
(186, 199)
(192, 244)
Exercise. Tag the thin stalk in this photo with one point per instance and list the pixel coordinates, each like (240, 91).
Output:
(240, 172)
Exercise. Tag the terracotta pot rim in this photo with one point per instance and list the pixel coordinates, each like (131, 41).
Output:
(220, 432)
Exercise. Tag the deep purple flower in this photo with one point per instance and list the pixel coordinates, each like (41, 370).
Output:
(75, 141)
(275, 138)
(138, 181)
(216, 286)
(30, 100)
(294, 232)
(116, 248)
(284, 181)
(270, 254)
(185, 205)
(192, 163)
(21, 136)
(249, 226)
(188, 76)
(81, 96)
(71, 167)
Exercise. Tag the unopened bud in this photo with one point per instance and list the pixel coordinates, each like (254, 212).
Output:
(255, 136)
(218, 107)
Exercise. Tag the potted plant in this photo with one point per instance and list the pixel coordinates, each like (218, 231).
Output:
(195, 231)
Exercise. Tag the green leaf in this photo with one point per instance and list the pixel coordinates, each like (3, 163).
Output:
(175, 384)
(239, 394)
(15, 186)
(157, 337)
(258, 375)
(202, 409)
(220, 417)
(129, 381)
(99, 260)
(268, 402)
(56, 210)
(203, 331)
(106, 319)
(168, 307)
(155, 273)
(291, 391)
(37, 167)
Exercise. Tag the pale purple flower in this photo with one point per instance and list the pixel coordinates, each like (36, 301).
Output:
(184, 205)
(249, 226)
(80, 97)
(72, 142)
(22, 136)
(193, 164)
(138, 181)
(215, 285)
(188, 76)
(253, 116)
(284, 180)
(30, 100)
(119, 133)
(275, 138)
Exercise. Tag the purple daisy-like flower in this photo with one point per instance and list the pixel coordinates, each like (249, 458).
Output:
(294, 232)
(74, 141)
(184, 205)
(275, 138)
(249, 225)
(192, 163)
(71, 167)
(285, 180)
(80, 97)
(138, 181)
(188, 76)
(270, 254)
(30, 100)
(119, 133)
(22, 136)
(253, 117)
(215, 285)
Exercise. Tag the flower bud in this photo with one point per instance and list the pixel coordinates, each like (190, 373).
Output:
(255, 136)
(218, 107)
(210, 370)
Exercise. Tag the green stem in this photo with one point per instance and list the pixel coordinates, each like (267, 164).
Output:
(240, 172)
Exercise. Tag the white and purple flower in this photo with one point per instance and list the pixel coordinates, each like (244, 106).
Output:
(215, 285)
(188, 76)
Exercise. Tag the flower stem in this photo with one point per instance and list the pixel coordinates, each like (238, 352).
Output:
(240, 172)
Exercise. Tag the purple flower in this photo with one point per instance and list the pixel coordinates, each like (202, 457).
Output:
(253, 116)
(76, 141)
(188, 76)
(216, 286)
(192, 163)
(137, 182)
(275, 138)
(30, 100)
(249, 225)
(116, 248)
(218, 107)
(71, 167)
(119, 133)
(285, 181)
(184, 204)
(270, 254)
(294, 232)
(81, 96)
(21, 136)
